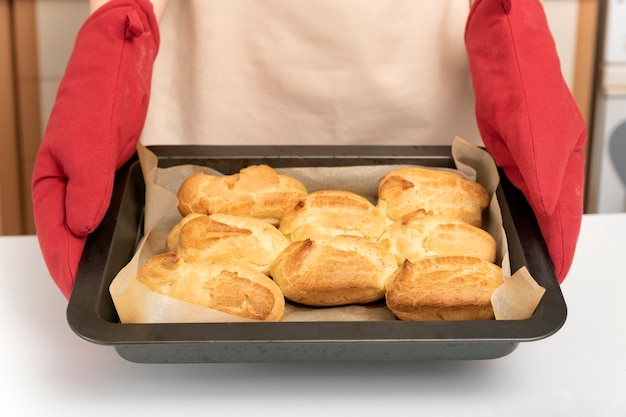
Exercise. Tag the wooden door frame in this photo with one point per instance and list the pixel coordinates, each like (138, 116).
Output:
(585, 64)
(20, 121)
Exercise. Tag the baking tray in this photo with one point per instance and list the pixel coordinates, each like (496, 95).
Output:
(92, 315)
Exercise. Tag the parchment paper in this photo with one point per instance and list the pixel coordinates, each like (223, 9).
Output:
(517, 298)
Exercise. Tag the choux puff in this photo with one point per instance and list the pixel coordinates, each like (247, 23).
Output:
(405, 190)
(224, 237)
(331, 213)
(255, 191)
(420, 234)
(220, 262)
(443, 288)
(227, 287)
(333, 259)
(333, 271)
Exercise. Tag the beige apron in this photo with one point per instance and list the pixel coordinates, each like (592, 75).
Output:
(312, 72)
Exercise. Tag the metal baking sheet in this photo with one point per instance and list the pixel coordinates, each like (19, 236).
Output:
(91, 312)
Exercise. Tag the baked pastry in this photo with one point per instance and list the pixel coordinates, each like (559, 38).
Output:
(443, 288)
(331, 213)
(227, 287)
(255, 191)
(333, 270)
(405, 190)
(171, 241)
(224, 237)
(420, 234)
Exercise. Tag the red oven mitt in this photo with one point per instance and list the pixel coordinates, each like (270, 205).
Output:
(93, 129)
(527, 117)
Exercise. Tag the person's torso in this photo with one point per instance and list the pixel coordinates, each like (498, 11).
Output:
(312, 72)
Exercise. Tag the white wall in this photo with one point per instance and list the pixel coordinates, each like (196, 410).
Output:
(58, 22)
(563, 18)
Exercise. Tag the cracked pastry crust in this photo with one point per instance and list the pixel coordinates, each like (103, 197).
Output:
(333, 271)
(255, 191)
(443, 288)
(228, 287)
(405, 190)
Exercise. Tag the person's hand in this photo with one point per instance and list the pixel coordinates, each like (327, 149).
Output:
(527, 116)
(93, 129)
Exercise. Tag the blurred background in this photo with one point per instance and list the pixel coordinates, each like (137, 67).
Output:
(37, 36)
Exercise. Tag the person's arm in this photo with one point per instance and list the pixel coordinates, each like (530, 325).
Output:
(527, 116)
(93, 129)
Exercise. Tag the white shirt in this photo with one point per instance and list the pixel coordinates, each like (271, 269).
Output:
(312, 72)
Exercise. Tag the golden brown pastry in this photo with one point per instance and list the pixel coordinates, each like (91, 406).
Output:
(224, 237)
(443, 288)
(333, 270)
(228, 287)
(420, 234)
(255, 191)
(405, 190)
(331, 213)
(171, 242)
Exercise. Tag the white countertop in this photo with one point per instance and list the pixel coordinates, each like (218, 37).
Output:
(579, 371)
